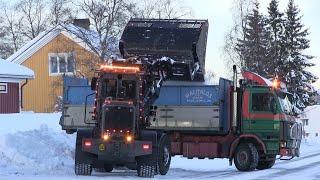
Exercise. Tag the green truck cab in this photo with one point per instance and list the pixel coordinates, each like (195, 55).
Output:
(267, 112)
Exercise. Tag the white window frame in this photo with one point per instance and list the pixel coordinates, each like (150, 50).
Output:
(6, 88)
(58, 63)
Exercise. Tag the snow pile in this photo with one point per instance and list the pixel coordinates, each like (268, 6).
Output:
(10, 69)
(37, 150)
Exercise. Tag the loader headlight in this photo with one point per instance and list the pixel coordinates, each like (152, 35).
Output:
(106, 137)
(129, 138)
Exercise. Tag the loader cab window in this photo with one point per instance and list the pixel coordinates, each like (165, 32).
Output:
(127, 90)
(119, 89)
(110, 88)
(262, 102)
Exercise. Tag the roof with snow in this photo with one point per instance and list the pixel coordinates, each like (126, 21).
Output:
(10, 70)
(71, 31)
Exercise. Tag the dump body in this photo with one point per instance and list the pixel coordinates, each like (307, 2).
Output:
(77, 111)
(193, 107)
(184, 106)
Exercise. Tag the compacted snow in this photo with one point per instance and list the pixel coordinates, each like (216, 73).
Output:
(33, 146)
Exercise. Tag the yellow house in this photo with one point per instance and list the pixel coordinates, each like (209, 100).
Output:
(50, 55)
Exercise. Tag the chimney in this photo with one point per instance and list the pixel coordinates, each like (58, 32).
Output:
(84, 23)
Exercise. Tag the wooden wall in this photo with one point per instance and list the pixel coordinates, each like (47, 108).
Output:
(9, 102)
(40, 94)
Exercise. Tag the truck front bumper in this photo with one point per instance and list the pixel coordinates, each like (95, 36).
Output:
(116, 151)
(287, 152)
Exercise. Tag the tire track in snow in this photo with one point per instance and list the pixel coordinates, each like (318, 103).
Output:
(284, 172)
(222, 174)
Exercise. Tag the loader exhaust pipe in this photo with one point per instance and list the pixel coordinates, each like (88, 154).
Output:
(234, 112)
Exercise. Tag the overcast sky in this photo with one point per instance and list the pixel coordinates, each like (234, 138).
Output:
(219, 14)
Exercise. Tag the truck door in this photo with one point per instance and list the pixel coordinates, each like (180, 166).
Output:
(258, 115)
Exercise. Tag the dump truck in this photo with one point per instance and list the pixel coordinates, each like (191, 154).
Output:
(153, 104)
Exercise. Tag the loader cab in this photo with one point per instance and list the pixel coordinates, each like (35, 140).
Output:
(117, 100)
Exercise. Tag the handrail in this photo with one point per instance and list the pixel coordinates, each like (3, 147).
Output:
(85, 109)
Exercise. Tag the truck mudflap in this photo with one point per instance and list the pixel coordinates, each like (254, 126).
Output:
(116, 151)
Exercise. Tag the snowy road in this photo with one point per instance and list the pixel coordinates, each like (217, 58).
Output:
(32, 146)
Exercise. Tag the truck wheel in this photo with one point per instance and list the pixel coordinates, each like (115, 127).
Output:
(164, 156)
(263, 164)
(146, 168)
(83, 169)
(246, 157)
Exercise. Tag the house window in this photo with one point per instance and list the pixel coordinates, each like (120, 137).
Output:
(61, 63)
(3, 88)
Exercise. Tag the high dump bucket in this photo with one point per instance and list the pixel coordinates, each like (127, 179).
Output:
(180, 39)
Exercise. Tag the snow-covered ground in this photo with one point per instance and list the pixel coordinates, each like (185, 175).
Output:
(33, 146)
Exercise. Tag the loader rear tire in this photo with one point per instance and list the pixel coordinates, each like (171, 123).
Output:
(246, 157)
(83, 169)
(146, 167)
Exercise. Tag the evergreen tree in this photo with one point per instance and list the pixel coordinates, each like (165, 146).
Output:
(275, 25)
(293, 70)
(253, 49)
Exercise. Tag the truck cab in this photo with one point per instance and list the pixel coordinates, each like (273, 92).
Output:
(267, 112)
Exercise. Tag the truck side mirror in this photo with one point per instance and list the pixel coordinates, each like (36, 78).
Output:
(94, 83)
(274, 106)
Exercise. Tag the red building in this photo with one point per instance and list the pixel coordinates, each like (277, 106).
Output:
(12, 79)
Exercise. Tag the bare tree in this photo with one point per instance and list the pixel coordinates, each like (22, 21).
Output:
(107, 18)
(61, 11)
(168, 9)
(240, 11)
(32, 18)
(9, 30)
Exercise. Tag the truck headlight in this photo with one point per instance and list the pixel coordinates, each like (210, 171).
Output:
(283, 144)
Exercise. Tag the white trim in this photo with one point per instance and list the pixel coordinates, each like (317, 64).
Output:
(57, 55)
(34, 45)
(40, 41)
(6, 88)
(13, 80)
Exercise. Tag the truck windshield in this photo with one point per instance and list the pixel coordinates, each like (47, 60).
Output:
(286, 105)
(119, 89)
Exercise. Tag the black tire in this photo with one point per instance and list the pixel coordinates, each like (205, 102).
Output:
(108, 167)
(246, 157)
(83, 169)
(266, 164)
(164, 156)
(146, 167)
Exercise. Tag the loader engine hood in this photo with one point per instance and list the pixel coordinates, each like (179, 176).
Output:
(182, 40)
(118, 116)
